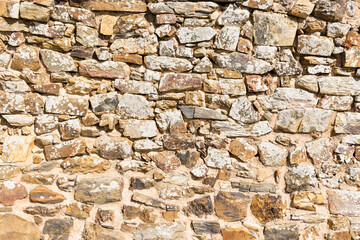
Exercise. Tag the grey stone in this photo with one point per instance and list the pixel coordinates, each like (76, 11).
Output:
(243, 63)
(299, 178)
(194, 35)
(243, 111)
(284, 98)
(134, 106)
(272, 155)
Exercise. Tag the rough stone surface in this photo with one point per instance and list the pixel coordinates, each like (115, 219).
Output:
(99, 190)
(267, 207)
(231, 206)
(273, 29)
(169, 119)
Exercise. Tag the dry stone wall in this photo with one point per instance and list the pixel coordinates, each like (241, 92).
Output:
(162, 120)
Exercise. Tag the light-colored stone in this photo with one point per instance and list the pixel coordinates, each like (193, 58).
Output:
(284, 98)
(243, 63)
(272, 155)
(273, 29)
(197, 34)
(314, 45)
(138, 128)
(243, 111)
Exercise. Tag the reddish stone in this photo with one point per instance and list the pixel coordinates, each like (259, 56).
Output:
(231, 206)
(11, 191)
(165, 160)
(180, 82)
(43, 194)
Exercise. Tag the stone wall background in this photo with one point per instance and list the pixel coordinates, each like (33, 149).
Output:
(223, 119)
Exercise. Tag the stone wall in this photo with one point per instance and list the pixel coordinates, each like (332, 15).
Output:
(161, 120)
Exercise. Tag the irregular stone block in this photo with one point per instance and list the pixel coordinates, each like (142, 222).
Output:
(107, 69)
(344, 202)
(314, 45)
(99, 190)
(65, 149)
(273, 29)
(197, 34)
(231, 206)
(70, 105)
(243, 63)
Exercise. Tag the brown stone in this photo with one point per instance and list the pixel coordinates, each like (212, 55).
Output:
(148, 201)
(116, 5)
(99, 190)
(131, 22)
(200, 206)
(344, 202)
(131, 212)
(7, 172)
(166, 19)
(43, 194)
(178, 141)
(256, 83)
(69, 129)
(26, 57)
(46, 179)
(11, 191)
(65, 149)
(353, 38)
(31, 11)
(128, 58)
(298, 156)
(75, 211)
(96, 232)
(165, 160)
(343, 235)
(231, 206)
(170, 216)
(85, 164)
(180, 82)
(108, 69)
(242, 149)
(114, 147)
(205, 227)
(50, 88)
(237, 234)
(42, 211)
(189, 157)
(16, 228)
(307, 200)
(267, 207)
(58, 228)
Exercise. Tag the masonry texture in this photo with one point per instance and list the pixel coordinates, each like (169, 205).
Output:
(179, 120)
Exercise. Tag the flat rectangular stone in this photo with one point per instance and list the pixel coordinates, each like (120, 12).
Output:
(65, 149)
(340, 86)
(99, 190)
(344, 202)
(114, 5)
(69, 105)
(180, 82)
(240, 130)
(315, 45)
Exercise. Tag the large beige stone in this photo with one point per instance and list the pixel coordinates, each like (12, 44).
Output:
(273, 29)
(17, 228)
(17, 148)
